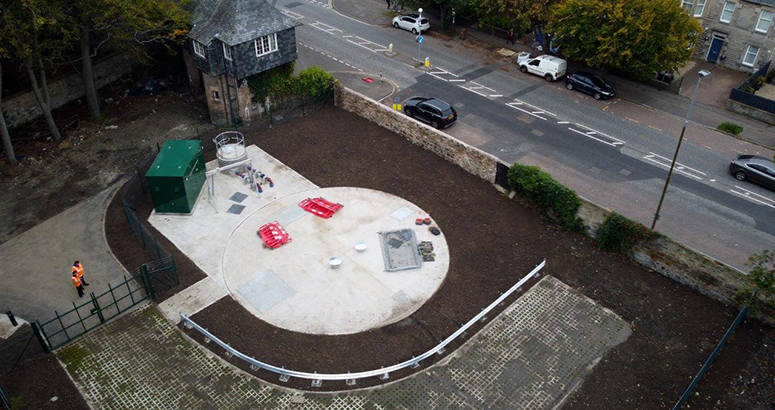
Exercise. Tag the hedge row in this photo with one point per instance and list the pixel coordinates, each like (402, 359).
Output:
(555, 199)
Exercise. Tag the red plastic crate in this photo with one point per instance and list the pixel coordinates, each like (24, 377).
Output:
(273, 235)
(320, 207)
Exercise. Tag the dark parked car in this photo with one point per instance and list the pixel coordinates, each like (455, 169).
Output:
(755, 169)
(435, 112)
(590, 84)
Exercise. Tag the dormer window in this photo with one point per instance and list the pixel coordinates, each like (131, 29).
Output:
(266, 44)
(199, 49)
(226, 52)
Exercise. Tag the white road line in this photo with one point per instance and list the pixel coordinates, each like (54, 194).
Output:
(747, 195)
(474, 91)
(440, 78)
(563, 122)
(535, 108)
(682, 166)
(291, 14)
(347, 36)
(590, 136)
(479, 86)
(456, 80)
(590, 131)
(515, 106)
(324, 27)
(496, 95)
(677, 169)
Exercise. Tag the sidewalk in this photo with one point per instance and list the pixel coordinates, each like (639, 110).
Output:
(706, 114)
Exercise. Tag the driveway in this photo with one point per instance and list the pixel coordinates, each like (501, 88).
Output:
(715, 88)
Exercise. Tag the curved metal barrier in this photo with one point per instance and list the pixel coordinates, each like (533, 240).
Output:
(383, 373)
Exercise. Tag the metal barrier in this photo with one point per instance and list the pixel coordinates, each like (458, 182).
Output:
(383, 373)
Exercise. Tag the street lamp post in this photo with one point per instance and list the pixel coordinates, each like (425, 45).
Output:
(419, 35)
(702, 73)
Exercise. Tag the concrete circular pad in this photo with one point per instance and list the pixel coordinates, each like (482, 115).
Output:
(294, 287)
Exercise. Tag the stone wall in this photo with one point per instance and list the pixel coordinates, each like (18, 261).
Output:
(473, 160)
(749, 111)
(21, 108)
(662, 255)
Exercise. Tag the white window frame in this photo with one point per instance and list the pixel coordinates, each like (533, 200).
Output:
(761, 18)
(226, 52)
(687, 5)
(724, 10)
(699, 8)
(268, 44)
(755, 57)
(200, 49)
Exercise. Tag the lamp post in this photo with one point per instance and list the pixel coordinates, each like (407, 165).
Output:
(419, 35)
(702, 73)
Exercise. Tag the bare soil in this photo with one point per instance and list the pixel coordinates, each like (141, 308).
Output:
(39, 381)
(493, 241)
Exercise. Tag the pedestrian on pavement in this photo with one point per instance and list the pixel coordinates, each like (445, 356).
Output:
(78, 270)
(388, 3)
(510, 36)
(77, 283)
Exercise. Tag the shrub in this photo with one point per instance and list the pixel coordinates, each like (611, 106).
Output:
(619, 234)
(770, 76)
(279, 82)
(733, 129)
(552, 197)
(316, 82)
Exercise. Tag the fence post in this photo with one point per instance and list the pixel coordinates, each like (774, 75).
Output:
(158, 252)
(97, 309)
(175, 270)
(4, 400)
(147, 281)
(39, 334)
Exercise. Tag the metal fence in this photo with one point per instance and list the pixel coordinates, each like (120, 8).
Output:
(350, 378)
(741, 95)
(17, 348)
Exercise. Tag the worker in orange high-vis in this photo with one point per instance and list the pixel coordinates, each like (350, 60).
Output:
(78, 270)
(77, 283)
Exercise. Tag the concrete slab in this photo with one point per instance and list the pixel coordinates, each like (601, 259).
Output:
(192, 299)
(6, 328)
(357, 296)
(202, 236)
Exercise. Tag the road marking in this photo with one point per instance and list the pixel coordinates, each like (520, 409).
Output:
(653, 127)
(368, 45)
(601, 136)
(683, 169)
(747, 195)
(563, 122)
(324, 27)
(496, 95)
(515, 105)
(632, 120)
(473, 90)
(295, 16)
(347, 36)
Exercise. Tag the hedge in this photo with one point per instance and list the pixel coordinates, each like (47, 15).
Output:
(733, 129)
(619, 234)
(553, 198)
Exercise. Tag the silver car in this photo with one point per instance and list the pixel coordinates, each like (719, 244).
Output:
(755, 169)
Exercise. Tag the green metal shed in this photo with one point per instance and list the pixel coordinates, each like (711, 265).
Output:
(177, 176)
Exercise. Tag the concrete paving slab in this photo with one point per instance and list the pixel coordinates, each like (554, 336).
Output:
(192, 299)
(357, 296)
(36, 264)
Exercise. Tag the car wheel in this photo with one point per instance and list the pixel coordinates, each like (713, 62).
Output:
(395, 24)
(435, 124)
(569, 86)
(548, 77)
(740, 176)
(414, 31)
(598, 96)
(523, 69)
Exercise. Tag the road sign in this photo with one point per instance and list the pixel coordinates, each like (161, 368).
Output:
(420, 39)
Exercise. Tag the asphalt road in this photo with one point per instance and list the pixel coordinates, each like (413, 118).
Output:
(608, 158)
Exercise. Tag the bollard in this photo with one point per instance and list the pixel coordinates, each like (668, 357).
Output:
(427, 62)
(12, 318)
(390, 48)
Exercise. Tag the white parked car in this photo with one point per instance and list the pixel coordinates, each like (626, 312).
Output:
(549, 67)
(412, 22)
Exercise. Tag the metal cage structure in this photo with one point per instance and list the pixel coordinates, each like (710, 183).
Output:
(230, 148)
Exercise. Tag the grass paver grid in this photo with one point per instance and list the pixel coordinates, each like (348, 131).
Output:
(527, 359)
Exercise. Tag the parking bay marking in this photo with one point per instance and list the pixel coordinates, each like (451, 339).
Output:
(535, 111)
(665, 162)
(763, 200)
(324, 27)
(368, 45)
(295, 16)
(597, 135)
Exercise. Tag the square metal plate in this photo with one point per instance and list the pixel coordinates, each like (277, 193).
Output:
(238, 197)
(266, 290)
(236, 209)
(399, 250)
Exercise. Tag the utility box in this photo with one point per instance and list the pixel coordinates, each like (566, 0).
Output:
(177, 176)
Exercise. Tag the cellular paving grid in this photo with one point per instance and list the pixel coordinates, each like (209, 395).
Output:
(530, 357)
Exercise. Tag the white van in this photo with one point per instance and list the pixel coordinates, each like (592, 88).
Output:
(549, 67)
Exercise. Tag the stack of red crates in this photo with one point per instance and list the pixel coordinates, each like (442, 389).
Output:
(320, 207)
(273, 235)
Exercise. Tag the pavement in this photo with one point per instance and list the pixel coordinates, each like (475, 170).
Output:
(615, 153)
(531, 356)
(36, 273)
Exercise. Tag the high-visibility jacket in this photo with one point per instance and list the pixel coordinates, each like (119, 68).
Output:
(78, 269)
(76, 281)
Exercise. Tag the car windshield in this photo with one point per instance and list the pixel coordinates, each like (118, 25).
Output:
(424, 21)
(598, 82)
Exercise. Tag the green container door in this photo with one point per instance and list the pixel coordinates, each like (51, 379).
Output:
(177, 176)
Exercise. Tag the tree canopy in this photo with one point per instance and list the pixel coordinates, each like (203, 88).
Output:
(640, 37)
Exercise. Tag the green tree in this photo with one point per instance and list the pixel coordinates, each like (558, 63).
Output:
(640, 37)
(122, 24)
(35, 32)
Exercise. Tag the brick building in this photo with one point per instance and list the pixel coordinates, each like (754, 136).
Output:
(739, 34)
(230, 41)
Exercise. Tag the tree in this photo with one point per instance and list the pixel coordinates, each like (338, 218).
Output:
(124, 24)
(4, 135)
(640, 37)
(35, 32)
(762, 277)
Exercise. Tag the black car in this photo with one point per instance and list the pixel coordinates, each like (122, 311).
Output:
(435, 112)
(590, 84)
(755, 169)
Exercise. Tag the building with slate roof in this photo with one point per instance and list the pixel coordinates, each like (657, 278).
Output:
(739, 34)
(231, 40)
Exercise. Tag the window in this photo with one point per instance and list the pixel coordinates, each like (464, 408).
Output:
(226, 52)
(687, 4)
(726, 14)
(750, 55)
(199, 49)
(266, 44)
(216, 97)
(699, 8)
(765, 19)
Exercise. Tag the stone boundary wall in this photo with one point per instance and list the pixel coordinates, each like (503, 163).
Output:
(751, 112)
(473, 160)
(662, 255)
(21, 107)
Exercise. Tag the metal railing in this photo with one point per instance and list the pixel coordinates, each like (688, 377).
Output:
(383, 372)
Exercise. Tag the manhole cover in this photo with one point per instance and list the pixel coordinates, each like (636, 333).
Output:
(399, 250)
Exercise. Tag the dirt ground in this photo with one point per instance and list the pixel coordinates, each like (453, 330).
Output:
(492, 242)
